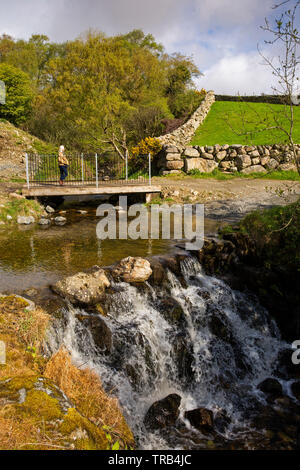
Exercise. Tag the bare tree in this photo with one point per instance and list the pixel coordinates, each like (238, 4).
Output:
(285, 66)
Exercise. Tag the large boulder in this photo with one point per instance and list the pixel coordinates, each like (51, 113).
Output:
(23, 220)
(254, 169)
(201, 419)
(191, 152)
(202, 164)
(83, 288)
(163, 413)
(132, 270)
(174, 164)
(243, 161)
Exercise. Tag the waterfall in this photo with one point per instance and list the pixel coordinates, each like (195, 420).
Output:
(215, 350)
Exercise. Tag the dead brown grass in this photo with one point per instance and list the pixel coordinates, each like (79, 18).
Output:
(84, 389)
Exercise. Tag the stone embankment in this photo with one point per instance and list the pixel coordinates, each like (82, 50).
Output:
(228, 158)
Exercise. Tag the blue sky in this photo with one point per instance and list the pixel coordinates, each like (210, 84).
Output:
(221, 35)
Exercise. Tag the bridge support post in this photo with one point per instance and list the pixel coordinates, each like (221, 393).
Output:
(126, 165)
(27, 169)
(96, 169)
(82, 171)
(149, 159)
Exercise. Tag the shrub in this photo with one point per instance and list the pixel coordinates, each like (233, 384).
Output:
(148, 145)
(18, 94)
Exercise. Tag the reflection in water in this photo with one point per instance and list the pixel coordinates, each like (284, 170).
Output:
(37, 256)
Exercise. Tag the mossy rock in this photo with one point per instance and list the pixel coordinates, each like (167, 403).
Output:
(39, 399)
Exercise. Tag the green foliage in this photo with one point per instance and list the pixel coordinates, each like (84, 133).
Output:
(18, 94)
(20, 207)
(277, 232)
(229, 122)
(272, 175)
(185, 103)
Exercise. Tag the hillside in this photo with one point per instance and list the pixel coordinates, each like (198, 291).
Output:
(14, 142)
(229, 122)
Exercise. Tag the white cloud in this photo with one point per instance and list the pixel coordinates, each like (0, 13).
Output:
(242, 73)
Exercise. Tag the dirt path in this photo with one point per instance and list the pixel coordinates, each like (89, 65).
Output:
(228, 200)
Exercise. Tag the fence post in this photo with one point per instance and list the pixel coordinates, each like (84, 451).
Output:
(82, 172)
(149, 157)
(126, 164)
(96, 167)
(27, 169)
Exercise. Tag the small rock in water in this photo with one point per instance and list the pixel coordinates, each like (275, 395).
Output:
(271, 387)
(133, 269)
(82, 212)
(163, 413)
(60, 220)
(44, 221)
(23, 220)
(49, 209)
(9, 217)
(201, 419)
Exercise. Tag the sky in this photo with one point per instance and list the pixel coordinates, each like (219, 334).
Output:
(221, 35)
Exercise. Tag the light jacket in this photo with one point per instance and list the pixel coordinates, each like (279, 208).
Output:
(62, 159)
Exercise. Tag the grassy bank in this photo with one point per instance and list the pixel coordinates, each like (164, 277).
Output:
(11, 208)
(276, 233)
(228, 122)
(220, 175)
(32, 416)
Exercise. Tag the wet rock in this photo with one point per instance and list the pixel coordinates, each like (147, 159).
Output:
(163, 413)
(184, 356)
(83, 288)
(132, 270)
(99, 330)
(49, 209)
(158, 276)
(44, 221)
(296, 389)
(171, 310)
(271, 387)
(201, 419)
(221, 421)
(60, 220)
(23, 220)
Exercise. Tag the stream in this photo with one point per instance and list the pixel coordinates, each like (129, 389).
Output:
(213, 352)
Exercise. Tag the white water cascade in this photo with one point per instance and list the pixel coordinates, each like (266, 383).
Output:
(220, 347)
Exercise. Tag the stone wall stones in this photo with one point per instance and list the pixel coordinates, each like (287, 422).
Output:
(183, 135)
(228, 158)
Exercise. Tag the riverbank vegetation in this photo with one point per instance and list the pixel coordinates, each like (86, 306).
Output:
(244, 123)
(97, 92)
(32, 414)
(11, 208)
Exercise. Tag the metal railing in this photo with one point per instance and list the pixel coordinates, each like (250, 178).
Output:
(88, 170)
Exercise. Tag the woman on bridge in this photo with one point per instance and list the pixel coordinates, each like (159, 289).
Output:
(63, 164)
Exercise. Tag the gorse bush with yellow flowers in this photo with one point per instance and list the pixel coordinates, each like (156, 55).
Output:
(148, 145)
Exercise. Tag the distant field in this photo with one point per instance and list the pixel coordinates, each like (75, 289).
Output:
(244, 117)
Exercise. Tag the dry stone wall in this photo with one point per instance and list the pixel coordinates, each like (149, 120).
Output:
(183, 135)
(228, 158)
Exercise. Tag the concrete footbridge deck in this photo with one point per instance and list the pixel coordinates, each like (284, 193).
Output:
(49, 190)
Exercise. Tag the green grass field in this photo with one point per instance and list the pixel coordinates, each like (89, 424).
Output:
(245, 118)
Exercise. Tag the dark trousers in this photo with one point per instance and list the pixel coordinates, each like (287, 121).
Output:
(63, 172)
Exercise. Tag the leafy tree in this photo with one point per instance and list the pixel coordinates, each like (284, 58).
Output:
(18, 94)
